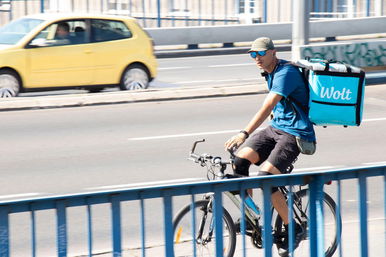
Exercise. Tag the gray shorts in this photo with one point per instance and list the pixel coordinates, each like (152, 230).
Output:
(275, 146)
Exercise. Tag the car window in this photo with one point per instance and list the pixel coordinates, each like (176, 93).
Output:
(67, 32)
(14, 31)
(106, 30)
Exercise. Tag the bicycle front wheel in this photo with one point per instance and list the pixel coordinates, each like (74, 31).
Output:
(331, 221)
(203, 241)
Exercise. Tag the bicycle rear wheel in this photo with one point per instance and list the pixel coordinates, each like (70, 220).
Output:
(204, 239)
(331, 237)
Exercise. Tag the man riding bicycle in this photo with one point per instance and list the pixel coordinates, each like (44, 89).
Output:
(275, 148)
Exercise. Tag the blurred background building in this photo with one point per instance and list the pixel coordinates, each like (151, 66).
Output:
(171, 13)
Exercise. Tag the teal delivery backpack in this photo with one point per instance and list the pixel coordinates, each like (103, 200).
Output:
(336, 92)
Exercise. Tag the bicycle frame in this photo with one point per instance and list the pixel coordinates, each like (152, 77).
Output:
(252, 211)
(216, 170)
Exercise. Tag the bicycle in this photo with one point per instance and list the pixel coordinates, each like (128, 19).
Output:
(204, 231)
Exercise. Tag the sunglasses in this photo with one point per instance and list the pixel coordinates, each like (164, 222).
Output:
(257, 53)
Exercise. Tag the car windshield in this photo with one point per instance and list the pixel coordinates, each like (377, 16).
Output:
(11, 33)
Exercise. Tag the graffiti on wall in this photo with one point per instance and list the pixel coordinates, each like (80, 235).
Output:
(360, 54)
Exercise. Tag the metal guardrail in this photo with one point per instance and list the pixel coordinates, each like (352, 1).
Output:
(163, 13)
(61, 204)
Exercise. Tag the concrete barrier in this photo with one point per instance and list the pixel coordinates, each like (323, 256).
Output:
(276, 31)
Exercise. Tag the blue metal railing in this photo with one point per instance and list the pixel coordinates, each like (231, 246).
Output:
(61, 204)
(165, 13)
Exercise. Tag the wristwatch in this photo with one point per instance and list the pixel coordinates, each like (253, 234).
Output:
(245, 133)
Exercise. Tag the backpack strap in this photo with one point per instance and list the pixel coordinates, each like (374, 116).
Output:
(304, 74)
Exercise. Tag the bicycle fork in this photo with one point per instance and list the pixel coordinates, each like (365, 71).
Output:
(201, 227)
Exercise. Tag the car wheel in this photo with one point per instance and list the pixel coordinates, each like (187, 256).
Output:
(134, 77)
(9, 84)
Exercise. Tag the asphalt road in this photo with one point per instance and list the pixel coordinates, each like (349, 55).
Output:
(133, 143)
(200, 71)
(70, 150)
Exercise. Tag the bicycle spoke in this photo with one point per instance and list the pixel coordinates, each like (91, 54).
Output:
(204, 241)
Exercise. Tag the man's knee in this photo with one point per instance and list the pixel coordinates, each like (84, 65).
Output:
(265, 173)
(241, 166)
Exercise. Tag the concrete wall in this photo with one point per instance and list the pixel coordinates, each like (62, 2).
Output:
(370, 55)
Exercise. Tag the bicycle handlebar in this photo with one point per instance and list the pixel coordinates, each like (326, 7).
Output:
(209, 161)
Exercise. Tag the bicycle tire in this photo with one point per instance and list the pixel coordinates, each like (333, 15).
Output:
(329, 213)
(182, 228)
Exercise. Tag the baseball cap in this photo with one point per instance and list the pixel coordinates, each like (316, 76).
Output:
(262, 44)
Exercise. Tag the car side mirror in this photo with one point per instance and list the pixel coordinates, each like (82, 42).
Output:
(37, 42)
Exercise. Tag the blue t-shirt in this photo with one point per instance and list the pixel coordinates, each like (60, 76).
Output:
(289, 117)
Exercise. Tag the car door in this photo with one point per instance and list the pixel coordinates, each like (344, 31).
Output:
(114, 47)
(54, 61)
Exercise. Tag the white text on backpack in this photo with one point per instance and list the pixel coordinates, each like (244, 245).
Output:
(345, 94)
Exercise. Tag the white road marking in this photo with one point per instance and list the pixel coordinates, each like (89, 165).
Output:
(163, 182)
(192, 82)
(231, 65)
(224, 132)
(375, 163)
(375, 119)
(175, 68)
(19, 195)
(231, 80)
(357, 221)
(214, 81)
(318, 168)
(185, 135)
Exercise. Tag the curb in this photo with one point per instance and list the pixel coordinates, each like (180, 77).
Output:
(210, 51)
(121, 97)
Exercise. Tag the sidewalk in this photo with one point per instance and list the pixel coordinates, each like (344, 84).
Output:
(149, 95)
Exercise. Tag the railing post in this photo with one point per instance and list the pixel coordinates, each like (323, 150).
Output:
(192, 206)
(168, 224)
(291, 225)
(33, 232)
(4, 232)
(61, 228)
(267, 229)
(384, 206)
(242, 219)
(316, 219)
(363, 214)
(42, 6)
(159, 13)
(218, 213)
(338, 215)
(265, 11)
(89, 228)
(143, 231)
(116, 225)
(368, 6)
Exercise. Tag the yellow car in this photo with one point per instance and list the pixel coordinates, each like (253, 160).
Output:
(56, 51)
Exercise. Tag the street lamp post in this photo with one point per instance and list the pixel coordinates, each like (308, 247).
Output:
(300, 26)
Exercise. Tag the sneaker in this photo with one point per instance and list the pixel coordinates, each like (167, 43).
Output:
(299, 235)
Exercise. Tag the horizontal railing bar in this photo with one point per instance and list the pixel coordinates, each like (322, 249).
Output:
(187, 188)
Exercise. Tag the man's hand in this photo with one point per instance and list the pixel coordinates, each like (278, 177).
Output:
(235, 141)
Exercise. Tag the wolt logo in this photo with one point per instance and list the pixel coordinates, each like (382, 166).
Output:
(329, 93)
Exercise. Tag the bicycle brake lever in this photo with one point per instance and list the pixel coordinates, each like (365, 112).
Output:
(232, 152)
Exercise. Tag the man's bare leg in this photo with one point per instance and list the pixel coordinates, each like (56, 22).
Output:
(277, 198)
